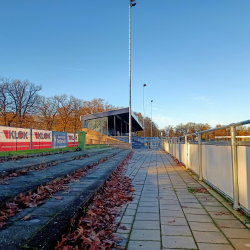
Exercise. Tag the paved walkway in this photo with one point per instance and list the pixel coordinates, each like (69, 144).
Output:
(166, 214)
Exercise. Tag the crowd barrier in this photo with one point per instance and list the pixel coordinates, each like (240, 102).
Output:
(225, 165)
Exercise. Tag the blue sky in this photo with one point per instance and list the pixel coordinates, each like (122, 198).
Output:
(193, 55)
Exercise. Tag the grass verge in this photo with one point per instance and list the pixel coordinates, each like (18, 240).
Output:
(45, 150)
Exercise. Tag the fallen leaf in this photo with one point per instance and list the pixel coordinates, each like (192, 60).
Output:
(27, 217)
(58, 198)
(171, 221)
(124, 228)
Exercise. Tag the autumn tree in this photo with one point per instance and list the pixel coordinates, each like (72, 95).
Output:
(147, 124)
(64, 111)
(48, 111)
(76, 112)
(95, 106)
(19, 99)
(5, 100)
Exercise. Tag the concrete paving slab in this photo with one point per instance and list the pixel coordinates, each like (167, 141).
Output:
(175, 230)
(182, 242)
(171, 207)
(144, 245)
(173, 221)
(140, 234)
(147, 216)
(221, 216)
(171, 213)
(216, 209)
(148, 204)
(206, 246)
(148, 210)
(191, 205)
(205, 227)
(198, 218)
(241, 244)
(194, 211)
(146, 225)
(210, 237)
(229, 223)
(236, 233)
(130, 212)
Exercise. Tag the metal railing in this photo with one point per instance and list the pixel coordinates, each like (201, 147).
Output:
(234, 144)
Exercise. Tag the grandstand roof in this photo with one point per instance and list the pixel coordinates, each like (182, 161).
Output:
(120, 113)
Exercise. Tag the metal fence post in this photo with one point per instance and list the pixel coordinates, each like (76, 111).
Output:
(174, 148)
(200, 156)
(186, 149)
(235, 167)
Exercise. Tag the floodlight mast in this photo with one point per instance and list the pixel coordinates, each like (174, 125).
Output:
(144, 85)
(131, 4)
(151, 121)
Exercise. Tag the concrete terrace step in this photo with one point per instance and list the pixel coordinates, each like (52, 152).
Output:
(34, 162)
(32, 180)
(50, 220)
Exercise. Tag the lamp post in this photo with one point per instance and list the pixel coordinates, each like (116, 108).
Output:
(131, 4)
(144, 85)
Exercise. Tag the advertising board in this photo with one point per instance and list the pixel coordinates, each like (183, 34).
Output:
(14, 139)
(72, 140)
(41, 139)
(59, 139)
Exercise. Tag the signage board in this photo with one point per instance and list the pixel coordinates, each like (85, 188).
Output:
(41, 139)
(72, 140)
(14, 139)
(59, 139)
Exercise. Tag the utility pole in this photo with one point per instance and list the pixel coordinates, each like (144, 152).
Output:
(131, 4)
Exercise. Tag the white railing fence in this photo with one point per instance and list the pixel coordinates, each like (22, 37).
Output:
(223, 165)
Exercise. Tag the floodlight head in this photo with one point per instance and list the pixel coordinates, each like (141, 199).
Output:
(151, 100)
(132, 4)
(144, 85)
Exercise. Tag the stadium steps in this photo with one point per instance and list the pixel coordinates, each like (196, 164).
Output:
(50, 220)
(30, 181)
(10, 167)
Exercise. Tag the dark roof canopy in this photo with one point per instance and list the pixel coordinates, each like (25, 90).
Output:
(120, 113)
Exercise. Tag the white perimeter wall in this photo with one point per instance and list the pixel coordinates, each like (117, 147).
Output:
(217, 166)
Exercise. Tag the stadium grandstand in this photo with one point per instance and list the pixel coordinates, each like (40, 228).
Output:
(113, 123)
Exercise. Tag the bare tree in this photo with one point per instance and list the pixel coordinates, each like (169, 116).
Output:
(5, 100)
(169, 130)
(18, 99)
(64, 111)
(76, 105)
(48, 111)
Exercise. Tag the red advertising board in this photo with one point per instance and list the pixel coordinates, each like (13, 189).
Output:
(14, 139)
(72, 140)
(41, 139)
